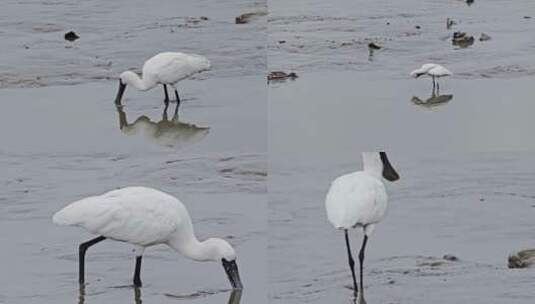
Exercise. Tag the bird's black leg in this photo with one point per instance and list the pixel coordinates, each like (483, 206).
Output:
(137, 272)
(361, 260)
(81, 252)
(177, 99)
(433, 77)
(351, 263)
(175, 115)
(438, 88)
(166, 100)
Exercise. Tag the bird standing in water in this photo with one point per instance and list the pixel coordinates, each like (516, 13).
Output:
(166, 68)
(435, 71)
(144, 217)
(359, 199)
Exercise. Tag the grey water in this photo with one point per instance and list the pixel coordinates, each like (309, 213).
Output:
(63, 139)
(465, 154)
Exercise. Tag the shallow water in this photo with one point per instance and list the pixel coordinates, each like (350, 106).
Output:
(465, 159)
(334, 35)
(62, 143)
(63, 139)
(478, 207)
(120, 35)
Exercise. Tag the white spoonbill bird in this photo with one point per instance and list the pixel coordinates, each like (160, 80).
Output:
(145, 217)
(166, 68)
(433, 70)
(359, 199)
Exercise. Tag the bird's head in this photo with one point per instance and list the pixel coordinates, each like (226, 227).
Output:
(389, 173)
(222, 251)
(422, 70)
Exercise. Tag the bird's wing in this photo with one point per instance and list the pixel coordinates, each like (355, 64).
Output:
(353, 199)
(136, 215)
(173, 67)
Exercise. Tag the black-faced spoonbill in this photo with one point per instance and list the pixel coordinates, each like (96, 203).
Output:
(359, 199)
(166, 69)
(145, 217)
(433, 70)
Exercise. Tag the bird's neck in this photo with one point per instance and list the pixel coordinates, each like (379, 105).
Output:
(143, 84)
(372, 164)
(187, 244)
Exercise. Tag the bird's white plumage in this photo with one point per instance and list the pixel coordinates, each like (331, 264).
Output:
(166, 68)
(137, 215)
(171, 67)
(431, 69)
(356, 199)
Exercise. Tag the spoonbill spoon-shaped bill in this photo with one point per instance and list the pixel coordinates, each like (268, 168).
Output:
(166, 68)
(433, 70)
(359, 199)
(145, 217)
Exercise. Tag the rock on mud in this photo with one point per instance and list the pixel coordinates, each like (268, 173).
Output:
(71, 36)
(522, 259)
(247, 17)
(450, 257)
(280, 75)
(462, 39)
(373, 46)
(484, 37)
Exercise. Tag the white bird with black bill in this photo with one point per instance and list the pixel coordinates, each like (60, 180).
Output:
(166, 68)
(145, 217)
(359, 199)
(433, 70)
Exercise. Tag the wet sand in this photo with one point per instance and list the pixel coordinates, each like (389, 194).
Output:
(320, 36)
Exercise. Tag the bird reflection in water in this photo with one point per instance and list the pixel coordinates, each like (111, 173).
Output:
(234, 296)
(81, 295)
(169, 133)
(434, 101)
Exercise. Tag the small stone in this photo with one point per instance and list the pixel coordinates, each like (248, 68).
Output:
(527, 17)
(450, 22)
(457, 35)
(418, 27)
(204, 18)
(282, 41)
(481, 199)
(374, 46)
(71, 36)
(450, 257)
(522, 259)
(484, 37)
(388, 23)
(280, 75)
(391, 282)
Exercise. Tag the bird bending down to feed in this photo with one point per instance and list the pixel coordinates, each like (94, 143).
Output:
(166, 69)
(359, 199)
(145, 217)
(433, 70)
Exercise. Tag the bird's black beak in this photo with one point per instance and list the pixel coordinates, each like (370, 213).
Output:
(388, 171)
(231, 268)
(122, 87)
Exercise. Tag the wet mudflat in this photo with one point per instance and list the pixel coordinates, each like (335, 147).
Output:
(63, 143)
(478, 207)
(463, 189)
(120, 35)
(64, 139)
(344, 109)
